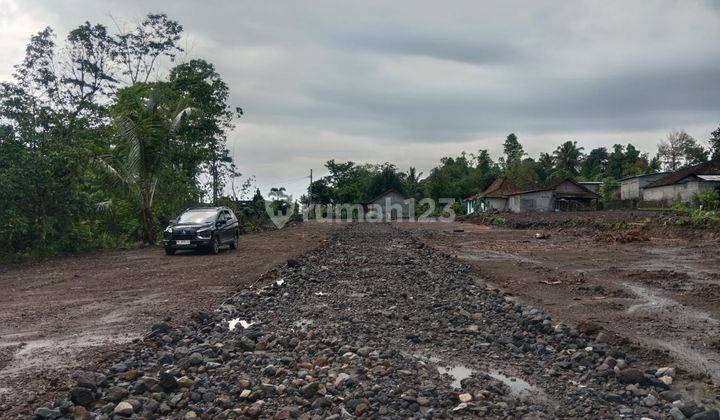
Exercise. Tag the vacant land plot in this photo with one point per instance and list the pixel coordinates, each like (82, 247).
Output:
(657, 292)
(377, 325)
(72, 312)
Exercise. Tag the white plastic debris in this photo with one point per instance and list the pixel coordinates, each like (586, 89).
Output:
(233, 322)
(280, 282)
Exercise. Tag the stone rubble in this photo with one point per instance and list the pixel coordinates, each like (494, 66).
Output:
(374, 325)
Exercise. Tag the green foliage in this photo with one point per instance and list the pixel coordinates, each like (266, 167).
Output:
(567, 157)
(699, 218)
(67, 131)
(608, 188)
(513, 150)
(707, 200)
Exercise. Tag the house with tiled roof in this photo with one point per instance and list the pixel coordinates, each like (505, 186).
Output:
(558, 195)
(494, 198)
(683, 185)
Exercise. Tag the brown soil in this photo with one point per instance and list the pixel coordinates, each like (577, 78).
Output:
(659, 295)
(66, 314)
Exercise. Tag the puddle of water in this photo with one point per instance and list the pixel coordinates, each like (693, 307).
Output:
(458, 373)
(517, 386)
(654, 301)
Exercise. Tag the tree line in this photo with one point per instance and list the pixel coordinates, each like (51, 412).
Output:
(468, 174)
(97, 148)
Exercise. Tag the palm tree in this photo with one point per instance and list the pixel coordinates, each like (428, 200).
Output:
(412, 182)
(143, 130)
(567, 157)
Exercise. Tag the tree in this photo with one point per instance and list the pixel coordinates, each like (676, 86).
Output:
(680, 149)
(595, 164)
(608, 188)
(513, 150)
(412, 183)
(144, 128)
(137, 50)
(567, 157)
(545, 166)
(715, 145)
(203, 138)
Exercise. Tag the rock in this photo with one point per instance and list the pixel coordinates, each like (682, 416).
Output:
(706, 415)
(464, 398)
(116, 394)
(310, 390)
(185, 382)
(81, 413)
(89, 380)
(671, 395)
(631, 376)
(269, 371)
(82, 396)
(650, 401)
(167, 381)
(195, 359)
(665, 371)
(124, 409)
(677, 414)
(667, 380)
(340, 379)
(48, 413)
(293, 263)
(161, 328)
(245, 393)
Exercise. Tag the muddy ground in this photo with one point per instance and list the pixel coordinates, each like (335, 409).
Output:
(65, 313)
(659, 292)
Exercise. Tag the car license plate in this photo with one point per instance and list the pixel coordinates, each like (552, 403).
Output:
(183, 242)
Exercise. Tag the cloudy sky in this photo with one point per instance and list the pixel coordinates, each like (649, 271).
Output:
(410, 82)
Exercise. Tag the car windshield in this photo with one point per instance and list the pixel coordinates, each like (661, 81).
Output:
(197, 216)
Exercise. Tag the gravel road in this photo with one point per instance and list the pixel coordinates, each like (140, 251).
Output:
(374, 324)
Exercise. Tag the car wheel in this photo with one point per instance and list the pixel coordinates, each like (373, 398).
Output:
(234, 243)
(170, 251)
(214, 246)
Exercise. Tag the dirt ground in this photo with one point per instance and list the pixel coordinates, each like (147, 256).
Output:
(656, 293)
(67, 313)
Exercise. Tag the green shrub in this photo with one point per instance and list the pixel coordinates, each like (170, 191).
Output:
(707, 200)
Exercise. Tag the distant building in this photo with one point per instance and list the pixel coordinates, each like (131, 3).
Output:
(560, 195)
(593, 186)
(494, 198)
(682, 185)
(390, 205)
(631, 187)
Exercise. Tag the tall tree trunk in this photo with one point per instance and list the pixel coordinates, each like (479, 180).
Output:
(148, 225)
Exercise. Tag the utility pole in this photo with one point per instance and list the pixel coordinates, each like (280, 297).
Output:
(310, 193)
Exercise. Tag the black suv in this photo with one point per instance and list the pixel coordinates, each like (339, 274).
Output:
(202, 228)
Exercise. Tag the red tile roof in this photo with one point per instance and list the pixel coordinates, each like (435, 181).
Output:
(500, 188)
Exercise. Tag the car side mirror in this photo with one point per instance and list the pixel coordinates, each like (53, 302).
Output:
(220, 223)
(173, 221)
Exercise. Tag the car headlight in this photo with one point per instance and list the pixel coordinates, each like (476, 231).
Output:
(205, 233)
(168, 229)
